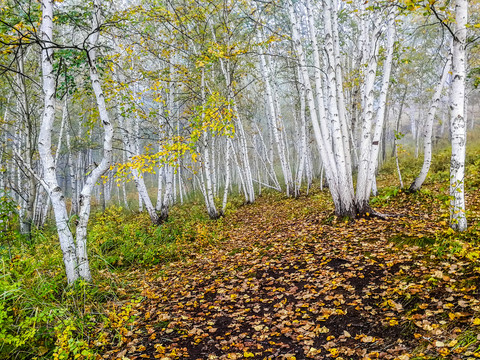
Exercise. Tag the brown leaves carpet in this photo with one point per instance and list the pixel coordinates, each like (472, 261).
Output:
(292, 283)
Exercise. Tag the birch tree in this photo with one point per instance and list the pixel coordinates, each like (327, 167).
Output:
(428, 129)
(458, 126)
(49, 180)
(74, 249)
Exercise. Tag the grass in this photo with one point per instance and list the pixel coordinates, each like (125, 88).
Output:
(41, 317)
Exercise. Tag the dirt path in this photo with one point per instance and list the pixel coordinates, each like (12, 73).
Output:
(287, 285)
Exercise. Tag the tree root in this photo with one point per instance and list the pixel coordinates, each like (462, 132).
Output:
(383, 216)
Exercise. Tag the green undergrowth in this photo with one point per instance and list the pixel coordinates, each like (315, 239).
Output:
(440, 168)
(43, 318)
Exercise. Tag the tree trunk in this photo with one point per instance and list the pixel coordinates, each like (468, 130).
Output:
(458, 220)
(427, 136)
(276, 128)
(380, 120)
(362, 196)
(67, 243)
(319, 133)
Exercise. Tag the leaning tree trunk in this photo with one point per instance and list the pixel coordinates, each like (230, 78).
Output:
(128, 138)
(458, 220)
(245, 170)
(104, 165)
(427, 136)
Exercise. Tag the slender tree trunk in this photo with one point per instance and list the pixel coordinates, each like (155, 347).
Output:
(104, 165)
(458, 220)
(339, 132)
(362, 196)
(323, 143)
(128, 138)
(380, 119)
(302, 139)
(427, 137)
(73, 178)
(276, 128)
(67, 243)
(243, 148)
(206, 165)
(268, 163)
(227, 176)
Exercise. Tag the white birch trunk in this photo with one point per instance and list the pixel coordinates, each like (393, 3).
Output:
(320, 106)
(227, 176)
(458, 220)
(342, 113)
(268, 164)
(243, 148)
(427, 136)
(104, 165)
(380, 119)
(323, 143)
(128, 138)
(361, 196)
(67, 243)
(302, 138)
(73, 178)
(340, 141)
(274, 124)
(206, 162)
(160, 175)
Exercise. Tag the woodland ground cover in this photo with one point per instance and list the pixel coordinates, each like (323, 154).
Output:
(281, 278)
(291, 282)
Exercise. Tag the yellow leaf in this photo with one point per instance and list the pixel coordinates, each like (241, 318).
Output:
(393, 322)
(333, 352)
(248, 354)
(476, 321)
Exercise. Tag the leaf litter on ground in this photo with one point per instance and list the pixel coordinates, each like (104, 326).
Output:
(291, 282)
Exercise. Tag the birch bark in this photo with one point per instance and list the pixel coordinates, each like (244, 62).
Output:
(325, 152)
(276, 128)
(67, 242)
(380, 118)
(129, 141)
(361, 196)
(427, 136)
(458, 127)
(206, 161)
(302, 138)
(104, 165)
(340, 138)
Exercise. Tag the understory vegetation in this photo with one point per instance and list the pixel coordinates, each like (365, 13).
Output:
(41, 316)
(138, 270)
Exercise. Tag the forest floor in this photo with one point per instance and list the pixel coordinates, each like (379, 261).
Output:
(292, 282)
